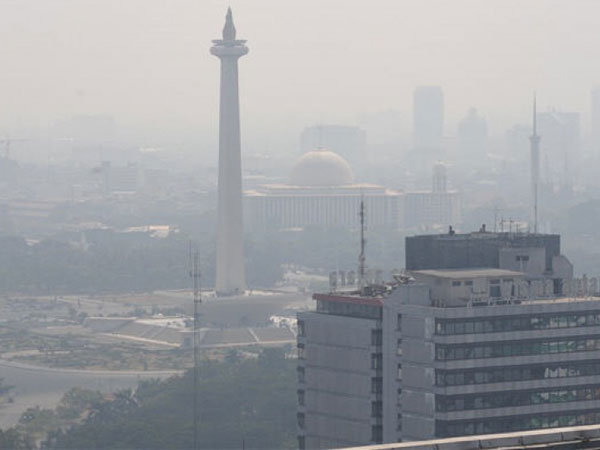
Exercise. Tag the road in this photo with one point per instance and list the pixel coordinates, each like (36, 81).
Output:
(45, 386)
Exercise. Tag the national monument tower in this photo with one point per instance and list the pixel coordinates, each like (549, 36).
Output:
(230, 277)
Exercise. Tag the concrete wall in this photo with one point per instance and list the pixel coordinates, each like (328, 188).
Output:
(512, 259)
(338, 373)
(472, 250)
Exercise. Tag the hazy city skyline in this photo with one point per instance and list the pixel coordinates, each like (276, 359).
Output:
(146, 62)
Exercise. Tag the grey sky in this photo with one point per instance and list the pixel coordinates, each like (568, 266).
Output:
(147, 61)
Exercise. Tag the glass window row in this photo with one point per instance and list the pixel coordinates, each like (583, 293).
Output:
(348, 309)
(517, 373)
(520, 323)
(516, 423)
(507, 399)
(517, 348)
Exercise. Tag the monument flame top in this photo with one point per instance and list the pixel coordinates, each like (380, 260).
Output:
(229, 33)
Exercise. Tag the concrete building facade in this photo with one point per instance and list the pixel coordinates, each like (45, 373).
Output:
(340, 387)
(444, 352)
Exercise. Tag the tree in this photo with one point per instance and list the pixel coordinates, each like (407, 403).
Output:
(251, 401)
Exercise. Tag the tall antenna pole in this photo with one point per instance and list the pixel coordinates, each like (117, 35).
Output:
(361, 257)
(535, 165)
(195, 273)
(495, 217)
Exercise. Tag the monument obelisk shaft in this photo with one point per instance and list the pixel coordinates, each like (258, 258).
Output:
(230, 276)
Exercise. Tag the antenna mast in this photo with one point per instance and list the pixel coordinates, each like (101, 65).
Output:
(535, 165)
(361, 257)
(195, 274)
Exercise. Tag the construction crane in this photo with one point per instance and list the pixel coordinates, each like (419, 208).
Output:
(8, 141)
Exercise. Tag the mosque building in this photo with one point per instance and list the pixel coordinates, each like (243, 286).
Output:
(322, 192)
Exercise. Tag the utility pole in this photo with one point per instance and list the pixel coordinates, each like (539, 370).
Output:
(195, 275)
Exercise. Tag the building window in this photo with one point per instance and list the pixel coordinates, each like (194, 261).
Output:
(399, 422)
(399, 323)
(301, 443)
(376, 361)
(469, 283)
(377, 434)
(376, 409)
(300, 397)
(456, 283)
(376, 338)
(376, 385)
(301, 420)
(522, 257)
(510, 374)
(399, 371)
(399, 348)
(495, 291)
(573, 344)
(301, 328)
(517, 323)
(300, 374)
(511, 399)
(517, 423)
(301, 354)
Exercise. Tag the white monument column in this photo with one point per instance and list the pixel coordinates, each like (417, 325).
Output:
(231, 277)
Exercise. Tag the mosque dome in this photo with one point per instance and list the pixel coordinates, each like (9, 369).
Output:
(321, 168)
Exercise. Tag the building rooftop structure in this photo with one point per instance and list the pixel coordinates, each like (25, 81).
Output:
(537, 255)
(470, 273)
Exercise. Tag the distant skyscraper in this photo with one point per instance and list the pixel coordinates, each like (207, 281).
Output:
(428, 116)
(347, 141)
(472, 135)
(561, 143)
(595, 135)
(230, 277)
(535, 169)
(439, 178)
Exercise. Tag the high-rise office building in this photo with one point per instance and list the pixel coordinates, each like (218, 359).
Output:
(487, 333)
(472, 136)
(428, 119)
(560, 146)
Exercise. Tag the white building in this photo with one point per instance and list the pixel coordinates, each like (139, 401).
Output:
(322, 192)
(435, 208)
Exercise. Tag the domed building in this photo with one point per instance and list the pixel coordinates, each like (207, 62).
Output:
(322, 192)
(322, 168)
